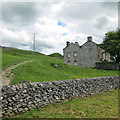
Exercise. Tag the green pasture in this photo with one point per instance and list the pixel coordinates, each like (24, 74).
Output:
(41, 68)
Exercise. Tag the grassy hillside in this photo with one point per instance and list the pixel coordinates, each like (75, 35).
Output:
(8, 60)
(104, 105)
(43, 70)
(14, 56)
(56, 55)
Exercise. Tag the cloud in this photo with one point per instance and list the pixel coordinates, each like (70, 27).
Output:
(19, 13)
(15, 39)
(102, 21)
(55, 23)
(20, 39)
(79, 11)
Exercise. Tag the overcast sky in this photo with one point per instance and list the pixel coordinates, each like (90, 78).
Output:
(54, 23)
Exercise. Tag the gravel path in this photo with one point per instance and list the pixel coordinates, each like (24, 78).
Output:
(7, 72)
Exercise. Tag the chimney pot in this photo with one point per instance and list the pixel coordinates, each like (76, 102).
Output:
(89, 38)
(67, 43)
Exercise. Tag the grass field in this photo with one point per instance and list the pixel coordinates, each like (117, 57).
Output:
(8, 60)
(41, 70)
(13, 56)
(104, 105)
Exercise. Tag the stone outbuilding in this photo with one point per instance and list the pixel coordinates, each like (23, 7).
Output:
(86, 55)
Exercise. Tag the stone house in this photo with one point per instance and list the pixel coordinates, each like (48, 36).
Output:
(86, 55)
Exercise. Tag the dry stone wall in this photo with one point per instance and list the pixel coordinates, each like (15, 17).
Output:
(19, 98)
(107, 66)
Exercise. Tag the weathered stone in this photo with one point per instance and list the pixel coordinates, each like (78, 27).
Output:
(27, 96)
(24, 91)
(13, 98)
(25, 109)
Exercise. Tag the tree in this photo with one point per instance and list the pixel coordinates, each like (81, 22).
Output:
(111, 44)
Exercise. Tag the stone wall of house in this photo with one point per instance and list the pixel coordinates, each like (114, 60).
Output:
(104, 56)
(71, 49)
(89, 54)
(17, 99)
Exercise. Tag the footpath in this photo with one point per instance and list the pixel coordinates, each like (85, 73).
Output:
(6, 80)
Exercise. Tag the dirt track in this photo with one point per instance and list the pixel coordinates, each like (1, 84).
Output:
(7, 72)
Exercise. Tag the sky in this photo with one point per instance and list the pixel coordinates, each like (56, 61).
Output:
(54, 23)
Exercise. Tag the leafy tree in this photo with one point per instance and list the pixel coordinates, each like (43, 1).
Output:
(111, 44)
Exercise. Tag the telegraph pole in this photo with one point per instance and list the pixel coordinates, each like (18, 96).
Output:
(34, 44)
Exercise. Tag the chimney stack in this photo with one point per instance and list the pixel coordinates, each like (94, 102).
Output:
(67, 43)
(89, 38)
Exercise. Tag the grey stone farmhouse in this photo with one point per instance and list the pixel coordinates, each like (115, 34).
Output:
(86, 55)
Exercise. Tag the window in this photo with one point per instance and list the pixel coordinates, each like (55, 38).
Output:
(68, 55)
(75, 54)
(68, 62)
(75, 63)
